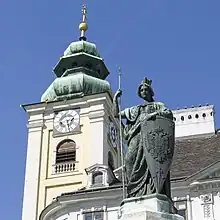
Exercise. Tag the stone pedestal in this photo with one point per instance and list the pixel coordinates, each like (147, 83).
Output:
(149, 207)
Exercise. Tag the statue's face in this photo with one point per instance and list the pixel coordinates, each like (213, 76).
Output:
(145, 93)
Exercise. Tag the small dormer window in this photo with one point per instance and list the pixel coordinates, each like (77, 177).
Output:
(97, 178)
(99, 175)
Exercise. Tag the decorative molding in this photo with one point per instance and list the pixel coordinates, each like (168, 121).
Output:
(49, 117)
(212, 175)
(207, 210)
(93, 209)
(206, 199)
(205, 185)
(178, 199)
(96, 167)
(65, 217)
(33, 110)
(96, 115)
(207, 203)
(37, 126)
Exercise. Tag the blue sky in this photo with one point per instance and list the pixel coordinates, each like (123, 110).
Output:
(175, 43)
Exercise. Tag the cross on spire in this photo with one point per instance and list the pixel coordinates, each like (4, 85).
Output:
(84, 13)
(83, 27)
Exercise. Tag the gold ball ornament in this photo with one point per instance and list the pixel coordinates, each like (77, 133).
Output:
(83, 26)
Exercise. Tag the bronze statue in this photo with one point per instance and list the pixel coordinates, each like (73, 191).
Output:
(149, 132)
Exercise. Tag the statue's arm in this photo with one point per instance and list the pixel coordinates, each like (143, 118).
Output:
(116, 110)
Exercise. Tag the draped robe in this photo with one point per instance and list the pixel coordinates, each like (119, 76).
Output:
(138, 175)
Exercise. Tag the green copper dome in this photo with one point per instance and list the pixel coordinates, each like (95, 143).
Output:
(81, 54)
(74, 85)
(81, 46)
(80, 71)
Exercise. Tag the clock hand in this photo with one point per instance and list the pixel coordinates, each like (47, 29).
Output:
(71, 121)
(67, 122)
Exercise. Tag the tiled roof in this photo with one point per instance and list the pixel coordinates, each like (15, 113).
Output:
(191, 155)
(194, 154)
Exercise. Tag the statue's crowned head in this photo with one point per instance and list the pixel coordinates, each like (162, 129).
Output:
(147, 84)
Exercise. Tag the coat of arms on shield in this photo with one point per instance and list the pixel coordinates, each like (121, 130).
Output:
(158, 143)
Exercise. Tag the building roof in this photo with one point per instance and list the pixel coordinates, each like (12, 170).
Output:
(93, 189)
(195, 154)
(191, 156)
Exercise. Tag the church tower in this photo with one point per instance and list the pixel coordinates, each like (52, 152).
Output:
(72, 132)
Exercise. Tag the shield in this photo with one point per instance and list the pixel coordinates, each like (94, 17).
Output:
(158, 142)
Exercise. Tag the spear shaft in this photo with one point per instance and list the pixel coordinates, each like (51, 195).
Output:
(120, 133)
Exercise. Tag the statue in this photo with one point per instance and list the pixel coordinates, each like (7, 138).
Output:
(149, 132)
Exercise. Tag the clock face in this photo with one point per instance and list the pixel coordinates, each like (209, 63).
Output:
(113, 134)
(66, 121)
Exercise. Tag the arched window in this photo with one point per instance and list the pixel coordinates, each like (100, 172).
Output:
(66, 151)
(111, 161)
(97, 178)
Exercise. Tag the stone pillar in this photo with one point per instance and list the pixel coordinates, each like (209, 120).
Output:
(97, 138)
(30, 199)
(149, 207)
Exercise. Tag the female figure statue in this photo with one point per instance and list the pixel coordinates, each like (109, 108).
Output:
(139, 180)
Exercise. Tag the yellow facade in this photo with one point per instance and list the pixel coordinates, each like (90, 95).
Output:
(92, 146)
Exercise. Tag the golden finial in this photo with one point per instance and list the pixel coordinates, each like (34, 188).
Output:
(83, 27)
